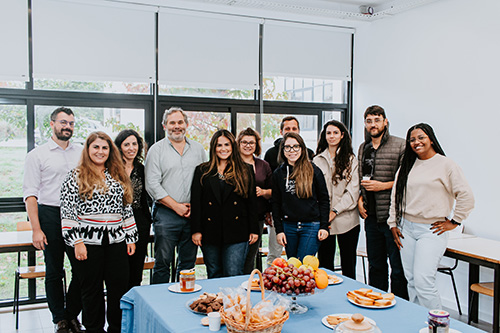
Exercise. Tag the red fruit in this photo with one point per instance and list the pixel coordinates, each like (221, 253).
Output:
(280, 262)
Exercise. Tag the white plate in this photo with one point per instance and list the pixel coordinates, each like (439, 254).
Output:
(346, 315)
(244, 285)
(426, 330)
(176, 288)
(339, 279)
(374, 306)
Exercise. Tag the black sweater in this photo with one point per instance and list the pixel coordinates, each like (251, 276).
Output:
(287, 207)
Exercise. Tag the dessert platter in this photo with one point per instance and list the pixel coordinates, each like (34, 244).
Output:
(334, 319)
(205, 303)
(367, 298)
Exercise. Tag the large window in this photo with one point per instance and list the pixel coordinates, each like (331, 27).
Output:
(97, 86)
(304, 90)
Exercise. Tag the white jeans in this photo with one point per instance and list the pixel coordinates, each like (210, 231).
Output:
(275, 250)
(421, 253)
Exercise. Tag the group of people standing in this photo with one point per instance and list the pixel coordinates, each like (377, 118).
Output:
(100, 214)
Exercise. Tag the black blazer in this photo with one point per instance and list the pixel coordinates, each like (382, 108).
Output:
(221, 215)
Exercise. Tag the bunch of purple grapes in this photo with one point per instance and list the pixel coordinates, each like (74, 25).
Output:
(289, 280)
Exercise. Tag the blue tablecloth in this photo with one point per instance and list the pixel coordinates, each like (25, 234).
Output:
(155, 309)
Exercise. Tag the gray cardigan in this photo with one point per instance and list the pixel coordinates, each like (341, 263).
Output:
(387, 161)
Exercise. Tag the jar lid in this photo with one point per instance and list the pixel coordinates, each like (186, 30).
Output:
(188, 272)
(439, 313)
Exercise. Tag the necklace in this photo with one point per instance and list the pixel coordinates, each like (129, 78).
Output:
(221, 176)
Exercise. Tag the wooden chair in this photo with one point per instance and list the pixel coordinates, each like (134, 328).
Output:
(361, 252)
(485, 288)
(29, 272)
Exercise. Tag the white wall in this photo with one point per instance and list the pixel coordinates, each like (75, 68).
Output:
(439, 64)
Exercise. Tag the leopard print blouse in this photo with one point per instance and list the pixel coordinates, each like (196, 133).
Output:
(87, 220)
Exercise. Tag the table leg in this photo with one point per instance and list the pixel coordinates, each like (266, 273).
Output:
(31, 282)
(496, 299)
(473, 278)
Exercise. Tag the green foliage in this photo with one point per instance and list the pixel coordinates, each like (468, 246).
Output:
(12, 122)
(71, 85)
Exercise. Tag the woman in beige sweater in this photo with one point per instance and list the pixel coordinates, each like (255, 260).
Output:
(427, 186)
(334, 156)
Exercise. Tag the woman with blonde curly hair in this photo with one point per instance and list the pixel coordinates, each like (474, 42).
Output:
(223, 200)
(98, 224)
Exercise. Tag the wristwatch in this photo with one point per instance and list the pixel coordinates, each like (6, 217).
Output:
(335, 211)
(455, 222)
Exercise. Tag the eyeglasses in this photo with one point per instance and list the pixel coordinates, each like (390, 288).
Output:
(419, 138)
(376, 121)
(66, 123)
(247, 143)
(288, 148)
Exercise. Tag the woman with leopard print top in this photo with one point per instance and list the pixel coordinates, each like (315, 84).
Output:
(99, 229)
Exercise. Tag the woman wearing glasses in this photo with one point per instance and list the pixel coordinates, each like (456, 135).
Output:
(427, 186)
(300, 200)
(223, 214)
(249, 145)
(334, 156)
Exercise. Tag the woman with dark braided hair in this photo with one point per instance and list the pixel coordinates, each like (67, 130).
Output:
(427, 186)
(334, 156)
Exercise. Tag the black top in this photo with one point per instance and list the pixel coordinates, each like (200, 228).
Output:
(287, 206)
(368, 169)
(140, 206)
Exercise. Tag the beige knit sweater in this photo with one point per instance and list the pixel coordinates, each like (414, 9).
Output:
(434, 186)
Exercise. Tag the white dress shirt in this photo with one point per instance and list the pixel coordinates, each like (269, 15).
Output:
(45, 168)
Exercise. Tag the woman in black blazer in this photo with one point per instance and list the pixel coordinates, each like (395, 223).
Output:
(223, 215)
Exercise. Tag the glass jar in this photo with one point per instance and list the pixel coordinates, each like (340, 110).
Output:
(439, 321)
(187, 280)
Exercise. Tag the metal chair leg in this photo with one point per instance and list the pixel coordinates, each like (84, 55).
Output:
(456, 292)
(364, 269)
(16, 301)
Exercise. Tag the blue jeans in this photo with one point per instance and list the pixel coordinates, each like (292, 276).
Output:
(225, 260)
(301, 239)
(380, 245)
(171, 231)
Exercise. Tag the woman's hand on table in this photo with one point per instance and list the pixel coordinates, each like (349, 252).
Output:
(396, 233)
(131, 249)
(441, 227)
(196, 237)
(253, 238)
(281, 238)
(322, 234)
(80, 251)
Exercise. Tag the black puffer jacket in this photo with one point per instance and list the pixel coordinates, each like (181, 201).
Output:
(387, 161)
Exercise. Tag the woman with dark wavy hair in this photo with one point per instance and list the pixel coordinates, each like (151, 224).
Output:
(131, 146)
(335, 157)
(223, 214)
(299, 199)
(427, 187)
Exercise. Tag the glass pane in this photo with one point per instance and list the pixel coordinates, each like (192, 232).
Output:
(329, 115)
(88, 120)
(271, 129)
(203, 92)
(13, 149)
(12, 84)
(203, 124)
(245, 120)
(98, 86)
(304, 90)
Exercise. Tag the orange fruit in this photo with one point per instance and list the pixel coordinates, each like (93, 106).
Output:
(321, 281)
(319, 271)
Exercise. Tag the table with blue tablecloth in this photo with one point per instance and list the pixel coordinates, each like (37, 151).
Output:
(155, 309)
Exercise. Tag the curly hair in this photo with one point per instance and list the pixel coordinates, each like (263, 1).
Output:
(89, 179)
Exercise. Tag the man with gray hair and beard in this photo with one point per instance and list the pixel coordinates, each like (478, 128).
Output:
(169, 170)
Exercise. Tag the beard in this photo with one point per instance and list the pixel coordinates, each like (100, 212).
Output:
(61, 135)
(379, 134)
(177, 137)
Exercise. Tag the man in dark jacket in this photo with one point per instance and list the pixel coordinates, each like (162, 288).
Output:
(288, 124)
(379, 159)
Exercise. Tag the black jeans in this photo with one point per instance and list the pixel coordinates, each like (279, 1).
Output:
(50, 222)
(106, 263)
(136, 261)
(348, 243)
(380, 245)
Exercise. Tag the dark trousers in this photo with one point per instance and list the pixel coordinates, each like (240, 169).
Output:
(380, 245)
(136, 261)
(252, 252)
(348, 243)
(50, 222)
(107, 263)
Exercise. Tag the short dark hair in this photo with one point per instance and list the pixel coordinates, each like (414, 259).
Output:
(288, 118)
(375, 110)
(54, 113)
(251, 132)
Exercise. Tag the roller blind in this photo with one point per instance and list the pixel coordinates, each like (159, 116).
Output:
(303, 50)
(92, 42)
(14, 40)
(208, 50)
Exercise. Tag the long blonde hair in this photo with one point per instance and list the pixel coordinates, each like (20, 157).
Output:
(90, 179)
(303, 171)
(236, 172)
